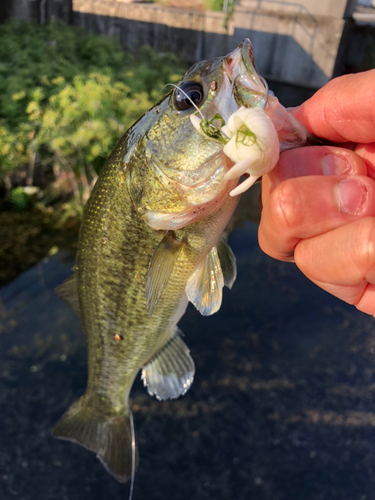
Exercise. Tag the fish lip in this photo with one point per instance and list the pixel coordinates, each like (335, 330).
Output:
(240, 68)
(243, 53)
(247, 54)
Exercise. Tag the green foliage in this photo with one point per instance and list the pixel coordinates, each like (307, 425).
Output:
(83, 120)
(12, 149)
(218, 5)
(23, 197)
(32, 55)
(215, 5)
(66, 97)
(19, 199)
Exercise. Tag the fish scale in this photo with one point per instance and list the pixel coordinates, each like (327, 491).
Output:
(109, 270)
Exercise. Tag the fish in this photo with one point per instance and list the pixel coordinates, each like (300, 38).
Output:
(150, 242)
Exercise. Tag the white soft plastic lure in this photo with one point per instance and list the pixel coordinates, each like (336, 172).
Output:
(252, 143)
(253, 146)
(252, 140)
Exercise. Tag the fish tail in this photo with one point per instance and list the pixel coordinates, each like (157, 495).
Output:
(111, 438)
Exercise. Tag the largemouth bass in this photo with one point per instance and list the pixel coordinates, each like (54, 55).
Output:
(150, 242)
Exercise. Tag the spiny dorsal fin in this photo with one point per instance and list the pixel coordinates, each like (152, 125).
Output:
(204, 288)
(68, 292)
(227, 262)
(171, 371)
(160, 268)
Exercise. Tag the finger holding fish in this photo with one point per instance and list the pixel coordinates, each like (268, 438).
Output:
(314, 160)
(342, 110)
(284, 221)
(349, 274)
(319, 211)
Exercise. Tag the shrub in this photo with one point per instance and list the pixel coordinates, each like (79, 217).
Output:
(66, 97)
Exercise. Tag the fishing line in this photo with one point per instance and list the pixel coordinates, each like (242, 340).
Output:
(157, 100)
(233, 82)
(133, 456)
(267, 90)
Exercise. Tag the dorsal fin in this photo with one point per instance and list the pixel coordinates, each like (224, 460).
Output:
(68, 292)
(160, 268)
(204, 288)
(227, 262)
(170, 373)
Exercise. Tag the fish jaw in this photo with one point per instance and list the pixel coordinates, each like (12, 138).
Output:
(199, 200)
(173, 221)
(249, 88)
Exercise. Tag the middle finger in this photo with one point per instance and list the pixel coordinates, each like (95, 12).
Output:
(313, 160)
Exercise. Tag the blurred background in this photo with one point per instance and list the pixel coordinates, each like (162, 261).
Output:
(282, 406)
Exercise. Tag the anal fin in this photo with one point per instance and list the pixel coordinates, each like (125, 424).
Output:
(171, 372)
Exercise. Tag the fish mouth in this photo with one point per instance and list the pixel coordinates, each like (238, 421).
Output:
(249, 88)
(247, 54)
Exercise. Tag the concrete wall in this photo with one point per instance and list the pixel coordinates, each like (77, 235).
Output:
(321, 8)
(292, 47)
(290, 44)
(294, 42)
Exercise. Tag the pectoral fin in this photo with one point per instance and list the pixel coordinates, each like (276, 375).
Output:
(68, 292)
(160, 268)
(171, 372)
(204, 288)
(227, 262)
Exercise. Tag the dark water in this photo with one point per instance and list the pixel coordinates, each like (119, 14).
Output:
(282, 406)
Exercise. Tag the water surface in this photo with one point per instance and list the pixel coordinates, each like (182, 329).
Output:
(281, 408)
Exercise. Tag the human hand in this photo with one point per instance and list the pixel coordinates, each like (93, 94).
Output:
(319, 201)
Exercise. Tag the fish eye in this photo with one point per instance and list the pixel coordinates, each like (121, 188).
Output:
(188, 93)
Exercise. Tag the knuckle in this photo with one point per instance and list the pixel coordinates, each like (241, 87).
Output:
(286, 207)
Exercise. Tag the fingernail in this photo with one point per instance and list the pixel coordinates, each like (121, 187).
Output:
(352, 195)
(335, 165)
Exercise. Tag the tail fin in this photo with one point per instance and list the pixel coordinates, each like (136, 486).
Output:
(112, 440)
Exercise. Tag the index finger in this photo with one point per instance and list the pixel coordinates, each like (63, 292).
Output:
(343, 110)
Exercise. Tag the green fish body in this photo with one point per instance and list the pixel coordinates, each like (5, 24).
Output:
(150, 242)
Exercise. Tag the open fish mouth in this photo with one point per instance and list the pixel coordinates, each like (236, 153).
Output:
(247, 54)
(249, 88)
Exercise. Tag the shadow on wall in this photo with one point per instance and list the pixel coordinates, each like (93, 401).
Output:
(359, 48)
(278, 57)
